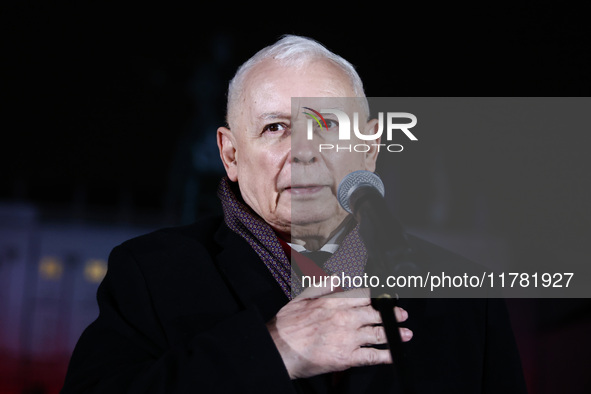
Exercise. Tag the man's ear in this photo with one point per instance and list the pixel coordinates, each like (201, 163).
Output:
(227, 147)
(371, 156)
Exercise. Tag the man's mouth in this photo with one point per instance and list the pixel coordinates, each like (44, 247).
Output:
(304, 189)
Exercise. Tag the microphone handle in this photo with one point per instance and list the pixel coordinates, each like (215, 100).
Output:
(386, 245)
(382, 233)
(385, 306)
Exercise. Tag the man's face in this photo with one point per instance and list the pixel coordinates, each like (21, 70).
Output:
(281, 174)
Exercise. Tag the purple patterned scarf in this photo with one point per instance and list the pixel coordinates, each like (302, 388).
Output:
(349, 259)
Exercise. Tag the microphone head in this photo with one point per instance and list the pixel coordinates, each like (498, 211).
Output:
(354, 181)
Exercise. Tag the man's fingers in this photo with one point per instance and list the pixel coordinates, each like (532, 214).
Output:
(368, 315)
(376, 335)
(370, 356)
(355, 301)
(372, 335)
(405, 334)
(401, 314)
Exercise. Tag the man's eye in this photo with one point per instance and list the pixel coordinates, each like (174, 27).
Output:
(274, 128)
(332, 123)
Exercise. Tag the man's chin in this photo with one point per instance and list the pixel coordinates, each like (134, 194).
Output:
(308, 219)
(314, 227)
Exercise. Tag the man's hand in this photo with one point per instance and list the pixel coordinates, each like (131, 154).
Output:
(317, 332)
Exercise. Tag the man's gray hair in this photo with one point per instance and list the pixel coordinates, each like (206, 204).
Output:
(290, 51)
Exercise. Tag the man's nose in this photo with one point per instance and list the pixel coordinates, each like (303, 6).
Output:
(303, 150)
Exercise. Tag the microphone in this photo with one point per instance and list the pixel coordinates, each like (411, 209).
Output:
(361, 182)
(361, 193)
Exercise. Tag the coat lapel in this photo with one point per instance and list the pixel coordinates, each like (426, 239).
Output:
(247, 275)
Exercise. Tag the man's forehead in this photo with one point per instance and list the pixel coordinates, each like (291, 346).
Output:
(275, 91)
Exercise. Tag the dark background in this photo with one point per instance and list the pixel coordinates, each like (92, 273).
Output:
(109, 116)
(98, 100)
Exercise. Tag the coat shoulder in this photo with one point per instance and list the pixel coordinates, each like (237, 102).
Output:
(198, 237)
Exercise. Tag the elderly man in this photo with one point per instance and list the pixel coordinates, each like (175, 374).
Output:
(209, 307)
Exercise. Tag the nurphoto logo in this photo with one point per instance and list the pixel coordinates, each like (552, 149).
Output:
(317, 123)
